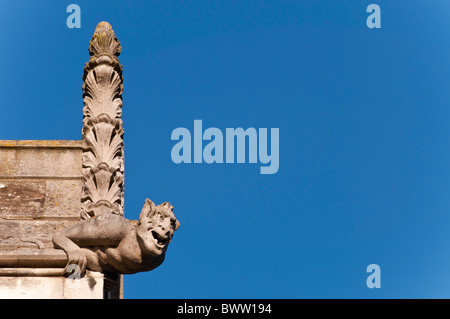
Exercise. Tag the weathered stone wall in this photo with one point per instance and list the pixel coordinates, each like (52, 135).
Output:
(40, 194)
(40, 191)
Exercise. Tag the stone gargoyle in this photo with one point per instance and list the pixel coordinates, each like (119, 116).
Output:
(110, 243)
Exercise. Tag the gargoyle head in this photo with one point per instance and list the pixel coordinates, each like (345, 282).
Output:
(156, 227)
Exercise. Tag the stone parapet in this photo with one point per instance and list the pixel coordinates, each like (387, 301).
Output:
(40, 194)
(40, 191)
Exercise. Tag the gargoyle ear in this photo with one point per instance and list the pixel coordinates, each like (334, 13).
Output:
(148, 210)
(177, 225)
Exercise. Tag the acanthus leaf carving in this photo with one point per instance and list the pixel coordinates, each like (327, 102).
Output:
(103, 149)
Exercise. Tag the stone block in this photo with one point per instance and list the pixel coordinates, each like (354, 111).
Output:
(34, 284)
(63, 198)
(22, 199)
(9, 230)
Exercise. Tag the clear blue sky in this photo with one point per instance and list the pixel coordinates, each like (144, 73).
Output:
(363, 115)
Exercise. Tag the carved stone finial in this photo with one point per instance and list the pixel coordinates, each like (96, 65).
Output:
(103, 164)
(104, 41)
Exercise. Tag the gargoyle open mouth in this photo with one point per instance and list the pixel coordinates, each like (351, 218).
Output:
(159, 240)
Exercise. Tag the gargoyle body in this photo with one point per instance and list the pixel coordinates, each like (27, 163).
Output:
(110, 243)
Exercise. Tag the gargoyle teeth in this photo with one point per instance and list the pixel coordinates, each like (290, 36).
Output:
(161, 241)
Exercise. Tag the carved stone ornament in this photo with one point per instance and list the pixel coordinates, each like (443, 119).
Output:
(110, 243)
(104, 240)
(103, 158)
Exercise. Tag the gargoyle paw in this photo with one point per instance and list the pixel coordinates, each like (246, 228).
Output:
(76, 265)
